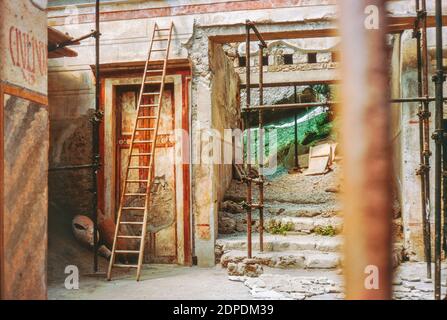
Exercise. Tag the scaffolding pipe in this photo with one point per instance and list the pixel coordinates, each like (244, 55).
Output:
(261, 149)
(424, 116)
(367, 153)
(439, 79)
(295, 117)
(260, 179)
(287, 106)
(95, 132)
(247, 127)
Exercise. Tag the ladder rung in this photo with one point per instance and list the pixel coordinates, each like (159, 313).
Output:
(134, 208)
(148, 105)
(159, 50)
(127, 251)
(152, 82)
(131, 222)
(162, 39)
(141, 155)
(136, 181)
(143, 141)
(125, 265)
(162, 29)
(155, 70)
(135, 194)
(151, 93)
(145, 129)
(129, 237)
(139, 167)
(147, 117)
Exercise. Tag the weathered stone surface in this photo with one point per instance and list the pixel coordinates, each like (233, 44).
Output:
(411, 278)
(241, 226)
(322, 261)
(232, 207)
(285, 243)
(297, 287)
(227, 225)
(286, 260)
(244, 269)
(218, 252)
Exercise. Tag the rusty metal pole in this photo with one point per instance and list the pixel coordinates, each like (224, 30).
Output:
(95, 139)
(367, 150)
(247, 127)
(439, 79)
(424, 130)
(295, 116)
(261, 149)
(426, 126)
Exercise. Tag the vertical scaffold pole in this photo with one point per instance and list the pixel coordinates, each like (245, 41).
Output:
(247, 128)
(261, 149)
(424, 130)
(438, 136)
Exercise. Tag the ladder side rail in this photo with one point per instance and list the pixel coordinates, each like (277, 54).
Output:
(118, 220)
(151, 162)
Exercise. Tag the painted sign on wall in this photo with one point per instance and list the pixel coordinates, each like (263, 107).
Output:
(23, 45)
(28, 54)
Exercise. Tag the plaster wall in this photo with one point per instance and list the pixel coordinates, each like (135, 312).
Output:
(126, 30)
(24, 141)
(410, 192)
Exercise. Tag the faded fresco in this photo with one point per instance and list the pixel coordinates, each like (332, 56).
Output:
(26, 137)
(161, 244)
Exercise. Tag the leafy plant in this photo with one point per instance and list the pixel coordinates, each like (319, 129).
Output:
(279, 227)
(328, 231)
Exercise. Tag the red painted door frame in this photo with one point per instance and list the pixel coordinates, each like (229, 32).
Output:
(186, 74)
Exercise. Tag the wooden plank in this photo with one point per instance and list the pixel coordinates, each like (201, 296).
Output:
(55, 36)
(62, 52)
(25, 94)
(187, 246)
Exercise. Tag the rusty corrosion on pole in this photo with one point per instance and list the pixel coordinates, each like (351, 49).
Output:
(438, 136)
(420, 33)
(367, 152)
(248, 155)
(249, 176)
(261, 148)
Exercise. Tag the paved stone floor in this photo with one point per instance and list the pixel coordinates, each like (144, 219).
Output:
(173, 282)
(158, 282)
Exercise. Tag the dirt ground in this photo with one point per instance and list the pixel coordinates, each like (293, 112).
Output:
(291, 188)
(158, 282)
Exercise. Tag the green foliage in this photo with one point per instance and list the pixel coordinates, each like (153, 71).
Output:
(323, 90)
(278, 227)
(328, 231)
(309, 132)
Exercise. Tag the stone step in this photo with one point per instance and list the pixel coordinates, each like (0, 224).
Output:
(306, 259)
(308, 225)
(303, 210)
(282, 243)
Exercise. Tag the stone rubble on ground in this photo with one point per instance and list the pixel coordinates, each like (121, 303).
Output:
(271, 286)
(407, 285)
(248, 268)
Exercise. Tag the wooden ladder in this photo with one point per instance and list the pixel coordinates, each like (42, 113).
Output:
(144, 136)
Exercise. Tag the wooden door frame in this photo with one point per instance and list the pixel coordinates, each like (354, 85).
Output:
(108, 173)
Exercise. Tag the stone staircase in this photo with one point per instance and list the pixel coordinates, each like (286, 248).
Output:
(312, 239)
